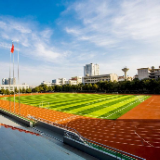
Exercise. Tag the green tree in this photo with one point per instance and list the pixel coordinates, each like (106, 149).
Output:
(41, 89)
(28, 90)
(23, 90)
(95, 87)
(3, 91)
(53, 88)
(7, 92)
(90, 86)
(15, 90)
(50, 88)
(45, 88)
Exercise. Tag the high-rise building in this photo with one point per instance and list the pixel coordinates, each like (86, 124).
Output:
(91, 69)
(3, 81)
(7, 81)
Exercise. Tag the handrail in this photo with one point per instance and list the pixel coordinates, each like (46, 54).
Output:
(74, 131)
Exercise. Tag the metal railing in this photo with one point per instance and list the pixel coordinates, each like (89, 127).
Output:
(73, 134)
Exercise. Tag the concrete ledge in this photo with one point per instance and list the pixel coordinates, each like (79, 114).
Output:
(52, 128)
(89, 150)
(16, 118)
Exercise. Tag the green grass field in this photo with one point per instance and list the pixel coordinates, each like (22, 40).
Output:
(90, 105)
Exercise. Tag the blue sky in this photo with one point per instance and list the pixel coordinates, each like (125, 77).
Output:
(58, 37)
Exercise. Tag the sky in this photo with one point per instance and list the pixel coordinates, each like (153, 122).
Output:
(56, 38)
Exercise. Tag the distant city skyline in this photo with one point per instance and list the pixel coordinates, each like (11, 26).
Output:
(57, 38)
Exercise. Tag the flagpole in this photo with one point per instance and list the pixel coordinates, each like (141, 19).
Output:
(10, 83)
(18, 78)
(13, 81)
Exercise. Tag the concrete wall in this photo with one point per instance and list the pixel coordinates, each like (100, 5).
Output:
(52, 128)
(18, 119)
(89, 150)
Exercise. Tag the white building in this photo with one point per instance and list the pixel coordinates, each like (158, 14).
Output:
(103, 77)
(78, 79)
(151, 73)
(91, 69)
(74, 80)
(122, 78)
(154, 73)
(59, 81)
(143, 73)
(46, 83)
(71, 82)
(11, 87)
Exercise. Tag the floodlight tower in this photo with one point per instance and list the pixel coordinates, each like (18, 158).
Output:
(125, 69)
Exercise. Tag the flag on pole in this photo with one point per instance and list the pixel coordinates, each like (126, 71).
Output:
(12, 49)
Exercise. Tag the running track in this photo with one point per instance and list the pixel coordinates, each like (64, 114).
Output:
(136, 132)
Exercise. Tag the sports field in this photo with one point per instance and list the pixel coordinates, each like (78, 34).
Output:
(90, 105)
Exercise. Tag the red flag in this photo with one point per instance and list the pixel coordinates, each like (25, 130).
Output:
(12, 49)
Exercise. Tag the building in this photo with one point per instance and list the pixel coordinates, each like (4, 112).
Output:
(154, 73)
(151, 73)
(71, 82)
(74, 80)
(78, 79)
(46, 83)
(6, 81)
(91, 69)
(143, 73)
(59, 81)
(11, 87)
(122, 78)
(3, 81)
(103, 77)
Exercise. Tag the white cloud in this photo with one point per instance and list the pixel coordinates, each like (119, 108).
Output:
(112, 34)
(33, 42)
(107, 24)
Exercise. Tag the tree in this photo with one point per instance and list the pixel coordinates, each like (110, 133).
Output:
(7, 92)
(20, 90)
(28, 90)
(53, 88)
(36, 89)
(90, 86)
(23, 90)
(45, 88)
(95, 87)
(3, 91)
(41, 89)
(50, 88)
(15, 90)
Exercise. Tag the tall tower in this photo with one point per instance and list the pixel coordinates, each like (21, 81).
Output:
(91, 69)
(125, 69)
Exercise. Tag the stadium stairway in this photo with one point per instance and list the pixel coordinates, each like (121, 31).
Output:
(20, 142)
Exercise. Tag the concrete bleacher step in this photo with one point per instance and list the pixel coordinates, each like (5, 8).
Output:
(21, 145)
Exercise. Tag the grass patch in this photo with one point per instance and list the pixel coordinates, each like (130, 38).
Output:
(91, 105)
